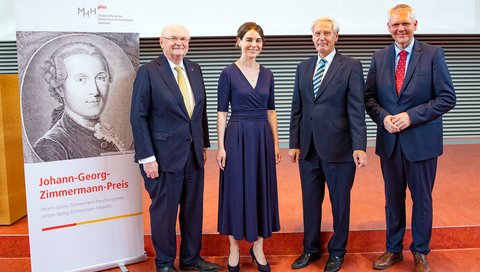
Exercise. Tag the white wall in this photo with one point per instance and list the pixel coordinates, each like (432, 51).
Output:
(7, 21)
(277, 17)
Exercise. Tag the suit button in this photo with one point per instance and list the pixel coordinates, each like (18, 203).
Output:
(311, 118)
(189, 140)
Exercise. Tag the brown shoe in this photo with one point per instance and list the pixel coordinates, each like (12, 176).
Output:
(421, 263)
(387, 259)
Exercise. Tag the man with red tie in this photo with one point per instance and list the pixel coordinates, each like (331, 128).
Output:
(408, 89)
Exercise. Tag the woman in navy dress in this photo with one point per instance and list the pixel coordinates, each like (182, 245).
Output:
(247, 150)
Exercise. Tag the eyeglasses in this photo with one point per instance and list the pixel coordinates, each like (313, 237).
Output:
(177, 39)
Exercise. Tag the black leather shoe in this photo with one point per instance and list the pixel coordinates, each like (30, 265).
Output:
(166, 269)
(305, 259)
(333, 264)
(201, 265)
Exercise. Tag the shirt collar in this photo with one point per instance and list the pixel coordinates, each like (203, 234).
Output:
(409, 48)
(329, 57)
(173, 65)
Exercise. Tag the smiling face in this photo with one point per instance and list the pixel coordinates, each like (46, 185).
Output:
(174, 42)
(324, 37)
(251, 44)
(402, 26)
(86, 87)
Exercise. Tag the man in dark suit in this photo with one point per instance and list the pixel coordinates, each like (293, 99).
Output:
(328, 139)
(408, 90)
(169, 123)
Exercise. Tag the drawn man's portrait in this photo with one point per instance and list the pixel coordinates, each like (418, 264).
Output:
(76, 91)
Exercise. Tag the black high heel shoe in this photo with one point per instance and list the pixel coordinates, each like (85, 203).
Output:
(261, 267)
(234, 268)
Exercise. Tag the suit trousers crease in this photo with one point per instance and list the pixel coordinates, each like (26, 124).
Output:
(339, 177)
(168, 192)
(398, 173)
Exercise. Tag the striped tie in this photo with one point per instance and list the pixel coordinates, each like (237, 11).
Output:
(317, 78)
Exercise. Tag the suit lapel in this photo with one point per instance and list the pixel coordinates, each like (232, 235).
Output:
(391, 72)
(332, 70)
(414, 59)
(169, 78)
(308, 74)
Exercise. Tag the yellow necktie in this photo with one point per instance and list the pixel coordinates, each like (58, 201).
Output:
(184, 89)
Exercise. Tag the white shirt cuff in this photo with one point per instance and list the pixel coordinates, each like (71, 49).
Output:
(147, 160)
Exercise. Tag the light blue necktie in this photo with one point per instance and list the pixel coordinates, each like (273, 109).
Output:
(317, 78)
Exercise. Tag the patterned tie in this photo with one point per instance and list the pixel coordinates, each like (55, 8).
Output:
(317, 78)
(184, 89)
(400, 72)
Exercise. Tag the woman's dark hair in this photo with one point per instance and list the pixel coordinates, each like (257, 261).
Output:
(244, 28)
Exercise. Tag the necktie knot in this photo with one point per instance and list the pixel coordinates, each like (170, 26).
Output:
(178, 68)
(403, 53)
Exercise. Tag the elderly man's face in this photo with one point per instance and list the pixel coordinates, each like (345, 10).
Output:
(174, 43)
(86, 87)
(324, 38)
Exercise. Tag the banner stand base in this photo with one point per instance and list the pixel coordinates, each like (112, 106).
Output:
(118, 263)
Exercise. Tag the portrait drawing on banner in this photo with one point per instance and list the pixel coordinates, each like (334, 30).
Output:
(75, 94)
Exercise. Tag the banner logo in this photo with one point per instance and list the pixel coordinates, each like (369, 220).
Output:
(87, 12)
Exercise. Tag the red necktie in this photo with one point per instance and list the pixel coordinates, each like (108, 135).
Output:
(400, 72)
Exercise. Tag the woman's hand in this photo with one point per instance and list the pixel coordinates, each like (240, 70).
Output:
(221, 158)
(278, 155)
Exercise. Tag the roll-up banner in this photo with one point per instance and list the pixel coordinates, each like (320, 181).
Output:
(76, 64)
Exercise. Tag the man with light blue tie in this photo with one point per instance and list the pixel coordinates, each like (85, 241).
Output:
(327, 139)
(407, 92)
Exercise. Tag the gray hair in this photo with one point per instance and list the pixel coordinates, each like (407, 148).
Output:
(173, 26)
(402, 6)
(335, 26)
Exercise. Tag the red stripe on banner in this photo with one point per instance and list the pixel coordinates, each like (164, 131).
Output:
(59, 227)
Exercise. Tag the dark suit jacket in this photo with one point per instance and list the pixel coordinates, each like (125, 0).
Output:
(159, 118)
(336, 117)
(68, 140)
(427, 94)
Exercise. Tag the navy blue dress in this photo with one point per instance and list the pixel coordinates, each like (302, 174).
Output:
(248, 200)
